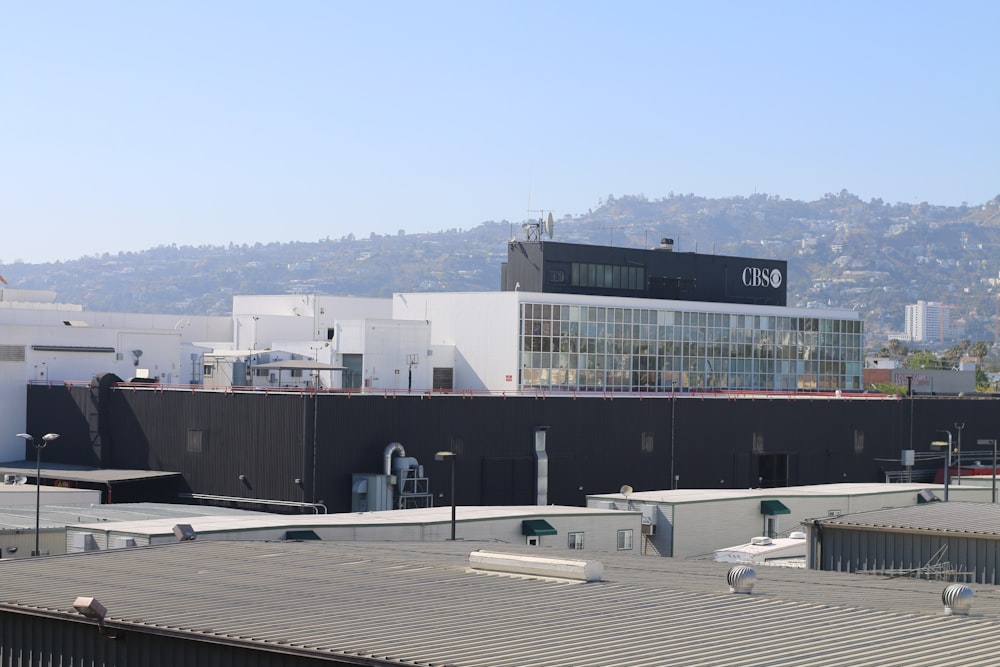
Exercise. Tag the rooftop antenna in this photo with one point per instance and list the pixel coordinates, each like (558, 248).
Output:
(546, 224)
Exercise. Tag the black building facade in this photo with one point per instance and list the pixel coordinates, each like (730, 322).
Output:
(569, 268)
(304, 447)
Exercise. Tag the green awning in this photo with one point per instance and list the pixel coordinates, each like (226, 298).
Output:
(301, 535)
(772, 507)
(537, 527)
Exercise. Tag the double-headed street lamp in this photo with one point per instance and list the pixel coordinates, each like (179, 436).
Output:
(46, 439)
(441, 456)
(947, 465)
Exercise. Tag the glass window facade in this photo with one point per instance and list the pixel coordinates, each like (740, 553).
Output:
(606, 348)
(608, 276)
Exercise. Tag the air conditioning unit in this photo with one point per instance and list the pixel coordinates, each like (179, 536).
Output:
(761, 541)
(649, 529)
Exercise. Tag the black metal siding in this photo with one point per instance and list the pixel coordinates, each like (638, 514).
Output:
(594, 444)
(36, 641)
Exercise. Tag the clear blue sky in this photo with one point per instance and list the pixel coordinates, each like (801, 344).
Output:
(127, 125)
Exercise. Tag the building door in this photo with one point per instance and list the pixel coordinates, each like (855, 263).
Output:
(772, 470)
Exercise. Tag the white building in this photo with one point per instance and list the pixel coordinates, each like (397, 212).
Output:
(510, 341)
(43, 341)
(927, 321)
(355, 343)
(578, 528)
(689, 523)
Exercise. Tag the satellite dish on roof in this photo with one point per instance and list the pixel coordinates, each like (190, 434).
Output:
(626, 491)
(549, 225)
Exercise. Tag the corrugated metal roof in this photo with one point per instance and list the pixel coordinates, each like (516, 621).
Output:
(82, 473)
(60, 516)
(395, 604)
(952, 517)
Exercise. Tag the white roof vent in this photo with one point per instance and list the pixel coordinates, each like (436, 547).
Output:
(741, 579)
(957, 599)
(797, 535)
(761, 541)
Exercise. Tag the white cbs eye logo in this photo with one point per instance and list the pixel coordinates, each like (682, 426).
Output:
(756, 277)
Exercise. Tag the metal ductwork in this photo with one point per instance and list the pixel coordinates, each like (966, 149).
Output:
(541, 467)
(390, 449)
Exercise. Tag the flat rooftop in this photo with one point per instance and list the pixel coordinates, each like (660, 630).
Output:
(407, 517)
(808, 491)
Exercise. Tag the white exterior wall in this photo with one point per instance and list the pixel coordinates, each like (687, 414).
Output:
(20, 543)
(698, 528)
(23, 495)
(482, 327)
(599, 529)
(258, 320)
(387, 346)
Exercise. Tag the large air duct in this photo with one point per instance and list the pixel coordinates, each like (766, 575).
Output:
(541, 467)
(390, 449)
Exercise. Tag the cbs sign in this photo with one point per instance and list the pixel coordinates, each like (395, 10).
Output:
(754, 276)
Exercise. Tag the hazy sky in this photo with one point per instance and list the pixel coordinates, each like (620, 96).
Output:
(127, 125)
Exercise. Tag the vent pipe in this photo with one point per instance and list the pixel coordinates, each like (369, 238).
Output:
(541, 467)
(957, 599)
(390, 449)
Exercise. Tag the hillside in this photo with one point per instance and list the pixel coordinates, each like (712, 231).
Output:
(842, 252)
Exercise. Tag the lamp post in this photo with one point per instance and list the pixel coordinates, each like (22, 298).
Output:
(958, 451)
(992, 441)
(441, 456)
(673, 404)
(947, 465)
(39, 446)
(909, 393)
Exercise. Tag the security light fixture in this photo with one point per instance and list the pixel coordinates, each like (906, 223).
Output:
(184, 532)
(91, 608)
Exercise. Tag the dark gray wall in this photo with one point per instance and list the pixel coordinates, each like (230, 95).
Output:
(595, 444)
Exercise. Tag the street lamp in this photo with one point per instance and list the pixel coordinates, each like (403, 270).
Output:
(39, 446)
(992, 441)
(958, 451)
(947, 465)
(441, 456)
(673, 408)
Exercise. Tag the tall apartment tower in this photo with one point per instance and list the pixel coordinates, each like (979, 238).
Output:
(927, 321)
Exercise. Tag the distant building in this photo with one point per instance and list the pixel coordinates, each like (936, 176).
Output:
(927, 321)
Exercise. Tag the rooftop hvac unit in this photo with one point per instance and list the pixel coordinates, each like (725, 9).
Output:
(761, 541)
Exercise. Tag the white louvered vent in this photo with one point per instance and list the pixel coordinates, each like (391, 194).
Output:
(11, 352)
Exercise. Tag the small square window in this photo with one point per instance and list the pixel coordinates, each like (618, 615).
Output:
(625, 540)
(575, 540)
